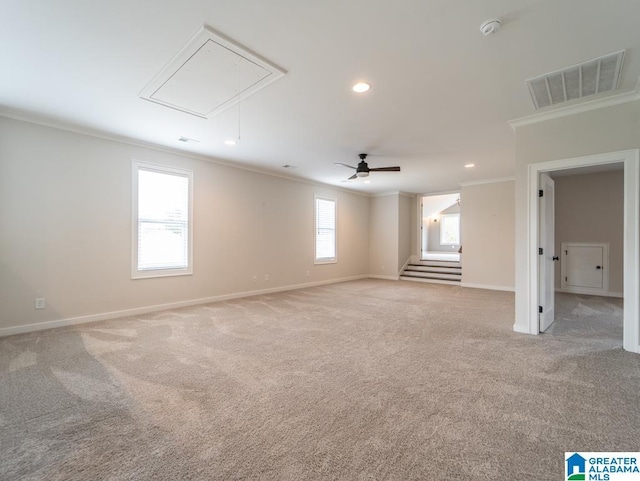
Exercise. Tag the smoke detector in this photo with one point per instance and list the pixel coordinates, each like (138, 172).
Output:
(489, 26)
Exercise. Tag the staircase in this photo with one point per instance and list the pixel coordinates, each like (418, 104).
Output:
(439, 272)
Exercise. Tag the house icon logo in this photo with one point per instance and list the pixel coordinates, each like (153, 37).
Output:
(575, 467)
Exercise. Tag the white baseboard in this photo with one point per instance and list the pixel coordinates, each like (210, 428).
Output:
(489, 287)
(587, 292)
(39, 326)
(387, 278)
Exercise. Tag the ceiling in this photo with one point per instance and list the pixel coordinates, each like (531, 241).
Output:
(442, 93)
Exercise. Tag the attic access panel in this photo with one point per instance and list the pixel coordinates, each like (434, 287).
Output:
(210, 74)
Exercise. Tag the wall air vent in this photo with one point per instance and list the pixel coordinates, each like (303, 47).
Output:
(576, 82)
(210, 74)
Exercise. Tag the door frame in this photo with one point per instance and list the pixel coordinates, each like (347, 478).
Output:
(631, 310)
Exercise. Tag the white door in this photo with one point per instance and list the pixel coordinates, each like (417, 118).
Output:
(546, 259)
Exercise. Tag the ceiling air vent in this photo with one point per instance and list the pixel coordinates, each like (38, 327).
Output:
(210, 74)
(578, 81)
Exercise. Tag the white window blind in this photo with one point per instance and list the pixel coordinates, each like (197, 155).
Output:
(325, 232)
(450, 229)
(162, 230)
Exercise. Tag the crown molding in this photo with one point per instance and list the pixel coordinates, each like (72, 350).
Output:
(36, 119)
(398, 193)
(595, 104)
(487, 181)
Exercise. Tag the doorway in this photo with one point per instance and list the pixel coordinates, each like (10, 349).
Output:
(440, 227)
(631, 238)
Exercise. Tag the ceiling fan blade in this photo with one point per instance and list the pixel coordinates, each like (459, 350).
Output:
(350, 166)
(354, 176)
(386, 169)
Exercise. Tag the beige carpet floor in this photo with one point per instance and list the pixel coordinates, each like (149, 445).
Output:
(365, 380)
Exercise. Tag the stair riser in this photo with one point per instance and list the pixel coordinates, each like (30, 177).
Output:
(437, 263)
(452, 270)
(429, 281)
(432, 275)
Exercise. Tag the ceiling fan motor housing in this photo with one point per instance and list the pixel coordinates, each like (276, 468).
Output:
(363, 169)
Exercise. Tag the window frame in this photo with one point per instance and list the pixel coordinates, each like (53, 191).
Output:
(442, 220)
(136, 273)
(325, 260)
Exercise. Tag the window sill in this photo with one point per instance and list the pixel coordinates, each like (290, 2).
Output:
(161, 273)
(327, 261)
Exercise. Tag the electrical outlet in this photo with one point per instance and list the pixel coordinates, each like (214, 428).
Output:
(266, 277)
(255, 278)
(39, 303)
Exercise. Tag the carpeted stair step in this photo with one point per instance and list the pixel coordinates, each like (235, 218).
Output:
(437, 263)
(440, 272)
(423, 268)
(433, 275)
(432, 281)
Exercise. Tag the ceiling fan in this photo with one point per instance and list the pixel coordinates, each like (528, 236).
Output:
(363, 168)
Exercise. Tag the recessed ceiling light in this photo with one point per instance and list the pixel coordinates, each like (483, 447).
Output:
(469, 166)
(230, 142)
(361, 87)
(367, 181)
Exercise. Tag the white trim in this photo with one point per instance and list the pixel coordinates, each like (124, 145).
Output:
(398, 193)
(39, 326)
(406, 194)
(416, 253)
(103, 135)
(487, 286)
(442, 192)
(631, 160)
(585, 293)
(136, 166)
(557, 113)
(387, 278)
(487, 181)
(385, 194)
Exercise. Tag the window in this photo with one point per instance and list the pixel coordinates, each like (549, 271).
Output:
(325, 232)
(449, 229)
(162, 233)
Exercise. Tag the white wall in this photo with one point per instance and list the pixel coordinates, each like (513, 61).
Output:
(406, 206)
(589, 208)
(383, 236)
(604, 130)
(488, 235)
(65, 211)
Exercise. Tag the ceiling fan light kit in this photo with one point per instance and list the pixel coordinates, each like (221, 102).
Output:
(363, 168)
